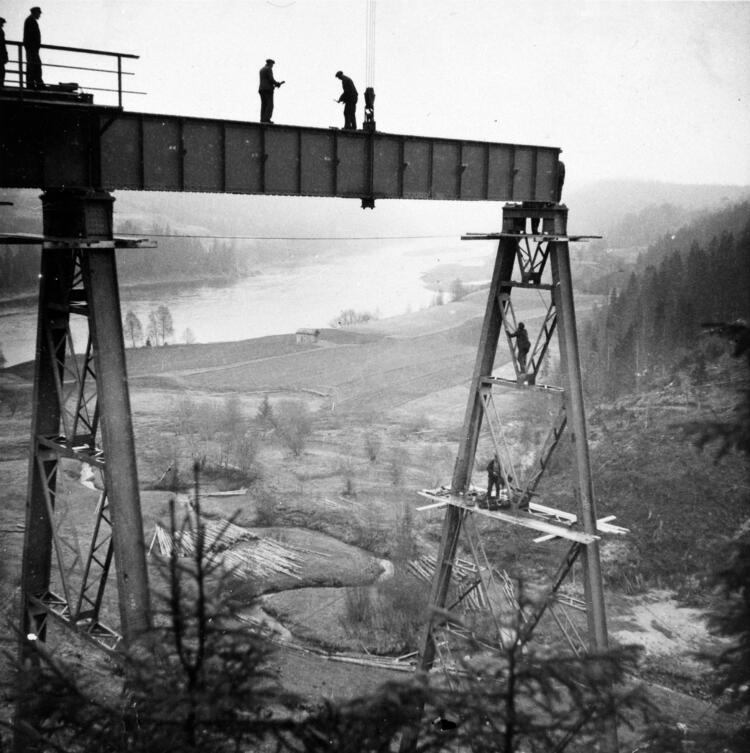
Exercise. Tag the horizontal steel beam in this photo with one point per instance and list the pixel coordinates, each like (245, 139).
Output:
(50, 145)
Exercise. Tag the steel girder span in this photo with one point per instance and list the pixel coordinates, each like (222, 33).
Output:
(52, 145)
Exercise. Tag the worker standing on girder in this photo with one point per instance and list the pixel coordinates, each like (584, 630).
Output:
(32, 41)
(3, 53)
(266, 88)
(349, 97)
(524, 345)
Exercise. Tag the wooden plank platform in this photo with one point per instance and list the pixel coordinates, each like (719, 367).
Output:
(528, 236)
(514, 518)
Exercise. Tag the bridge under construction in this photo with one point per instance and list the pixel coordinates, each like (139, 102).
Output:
(78, 153)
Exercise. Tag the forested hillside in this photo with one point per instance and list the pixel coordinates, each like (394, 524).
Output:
(650, 330)
(175, 259)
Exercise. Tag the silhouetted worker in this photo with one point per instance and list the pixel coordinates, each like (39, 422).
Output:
(349, 97)
(495, 481)
(266, 88)
(3, 53)
(522, 339)
(494, 478)
(32, 41)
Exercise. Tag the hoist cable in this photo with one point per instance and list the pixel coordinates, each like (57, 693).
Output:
(370, 44)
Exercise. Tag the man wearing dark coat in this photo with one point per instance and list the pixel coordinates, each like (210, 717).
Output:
(349, 97)
(3, 53)
(524, 345)
(495, 480)
(266, 88)
(32, 41)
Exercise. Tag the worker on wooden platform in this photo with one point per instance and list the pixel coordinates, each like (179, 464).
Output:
(349, 97)
(266, 89)
(32, 41)
(524, 345)
(495, 481)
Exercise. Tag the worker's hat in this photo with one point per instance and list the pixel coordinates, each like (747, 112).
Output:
(37, 8)
(2, 20)
(271, 62)
(339, 74)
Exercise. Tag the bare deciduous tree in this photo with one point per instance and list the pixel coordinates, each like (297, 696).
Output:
(133, 328)
(160, 325)
(293, 424)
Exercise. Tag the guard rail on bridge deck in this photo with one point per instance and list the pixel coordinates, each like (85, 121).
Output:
(56, 137)
(15, 69)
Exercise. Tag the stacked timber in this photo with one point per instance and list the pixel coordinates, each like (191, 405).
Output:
(466, 573)
(242, 552)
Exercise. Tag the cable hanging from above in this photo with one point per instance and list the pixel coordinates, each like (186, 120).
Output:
(370, 44)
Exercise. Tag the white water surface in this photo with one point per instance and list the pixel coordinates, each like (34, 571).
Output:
(386, 281)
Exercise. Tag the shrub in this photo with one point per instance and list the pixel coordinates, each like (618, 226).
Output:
(348, 317)
(266, 509)
(403, 602)
(358, 608)
(293, 423)
(264, 417)
(373, 443)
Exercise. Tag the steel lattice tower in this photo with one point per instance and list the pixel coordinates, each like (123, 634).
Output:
(525, 252)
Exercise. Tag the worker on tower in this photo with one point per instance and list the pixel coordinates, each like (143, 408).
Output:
(3, 53)
(495, 481)
(349, 97)
(494, 478)
(524, 345)
(266, 88)
(32, 41)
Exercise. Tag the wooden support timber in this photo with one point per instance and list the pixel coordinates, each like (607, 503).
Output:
(530, 252)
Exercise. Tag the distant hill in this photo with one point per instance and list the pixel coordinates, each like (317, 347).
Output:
(650, 327)
(598, 208)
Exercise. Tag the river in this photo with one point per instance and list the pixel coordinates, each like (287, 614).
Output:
(386, 280)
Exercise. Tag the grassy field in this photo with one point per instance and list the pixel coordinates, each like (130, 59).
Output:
(385, 405)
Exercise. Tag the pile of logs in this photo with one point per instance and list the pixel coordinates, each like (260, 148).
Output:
(241, 551)
(465, 572)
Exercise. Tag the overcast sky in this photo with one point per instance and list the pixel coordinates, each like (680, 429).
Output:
(656, 90)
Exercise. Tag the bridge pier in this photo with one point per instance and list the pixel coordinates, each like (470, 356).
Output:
(522, 242)
(81, 410)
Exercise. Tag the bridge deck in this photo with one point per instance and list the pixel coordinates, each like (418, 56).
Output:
(48, 144)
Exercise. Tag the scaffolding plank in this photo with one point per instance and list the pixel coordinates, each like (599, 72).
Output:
(502, 382)
(602, 524)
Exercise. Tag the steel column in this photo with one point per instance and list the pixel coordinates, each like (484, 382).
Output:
(105, 320)
(573, 395)
(55, 274)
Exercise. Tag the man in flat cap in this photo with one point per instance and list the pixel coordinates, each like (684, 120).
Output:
(349, 97)
(266, 88)
(3, 53)
(32, 41)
